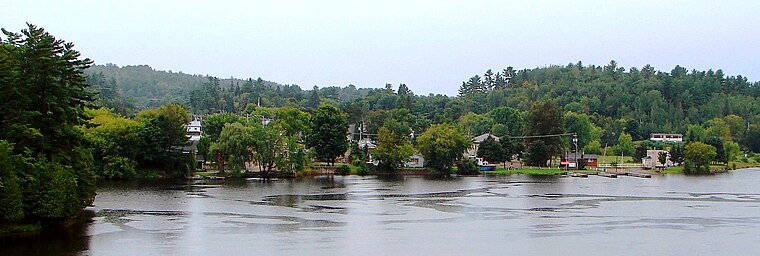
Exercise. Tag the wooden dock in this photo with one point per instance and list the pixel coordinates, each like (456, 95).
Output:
(577, 175)
(633, 174)
(606, 174)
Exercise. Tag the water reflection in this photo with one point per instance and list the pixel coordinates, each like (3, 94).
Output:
(520, 214)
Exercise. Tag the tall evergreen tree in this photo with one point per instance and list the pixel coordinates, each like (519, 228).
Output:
(42, 98)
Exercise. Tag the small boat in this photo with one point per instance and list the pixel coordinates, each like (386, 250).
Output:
(487, 167)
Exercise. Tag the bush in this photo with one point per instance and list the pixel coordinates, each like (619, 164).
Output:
(468, 167)
(363, 170)
(343, 170)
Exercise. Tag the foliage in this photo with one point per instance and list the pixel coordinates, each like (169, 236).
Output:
(343, 170)
(697, 157)
(640, 153)
(233, 147)
(752, 139)
(677, 154)
(46, 171)
(393, 147)
(625, 145)
(328, 133)
(113, 139)
(662, 157)
(468, 167)
(441, 145)
(593, 147)
(538, 154)
(269, 147)
(545, 118)
(493, 151)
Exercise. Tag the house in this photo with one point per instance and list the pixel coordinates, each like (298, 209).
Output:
(415, 161)
(591, 160)
(473, 151)
(666, 137)
(652, 160)
(194, 130)
(366, 143)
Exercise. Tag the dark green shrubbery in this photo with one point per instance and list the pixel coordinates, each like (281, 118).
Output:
(468, 167)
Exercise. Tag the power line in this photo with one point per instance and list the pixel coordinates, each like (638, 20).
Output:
(541, 136)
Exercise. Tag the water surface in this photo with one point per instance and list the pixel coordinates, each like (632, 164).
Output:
(490, 215)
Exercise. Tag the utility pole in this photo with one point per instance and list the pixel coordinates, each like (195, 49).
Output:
(575, 141)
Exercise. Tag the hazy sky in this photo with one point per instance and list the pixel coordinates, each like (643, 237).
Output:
(432, 46)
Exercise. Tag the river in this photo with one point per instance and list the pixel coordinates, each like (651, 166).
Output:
(484, 215)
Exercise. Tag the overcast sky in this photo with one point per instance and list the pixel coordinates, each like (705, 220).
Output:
(432, 46)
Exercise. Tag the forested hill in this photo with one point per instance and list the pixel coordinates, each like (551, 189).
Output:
(144, 87)
(641, 100)
(637, 101)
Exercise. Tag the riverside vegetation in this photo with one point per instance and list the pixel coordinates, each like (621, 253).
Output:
(67, 123)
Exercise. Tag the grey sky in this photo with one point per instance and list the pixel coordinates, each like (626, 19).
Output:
(432, 46)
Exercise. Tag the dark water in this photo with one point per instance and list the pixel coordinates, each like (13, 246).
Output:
(493, 215)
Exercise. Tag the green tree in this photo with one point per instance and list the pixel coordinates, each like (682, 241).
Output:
(492, 151)
(510, 118)
(545, 118)
(641, 152)
(113, 139)
(662, 157)
(441, 145)
(328, 133)
(752, 139)
(625, 145)
(593, 147)
(720, 150)
(234, 146)
(580, 125)
(42, 100)
(677, 153)
(162, 133)
(393, 147)
(697, 157)
(538, 153)
(269, 147)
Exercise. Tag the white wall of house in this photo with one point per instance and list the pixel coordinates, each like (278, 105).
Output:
(652, 160)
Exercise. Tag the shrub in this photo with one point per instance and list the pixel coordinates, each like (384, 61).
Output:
(467, 167)
(343, 170)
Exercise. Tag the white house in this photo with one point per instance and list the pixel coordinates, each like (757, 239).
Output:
(473, 151)
(652, 160)
(194, 130)
(666, 137)
(415, 161)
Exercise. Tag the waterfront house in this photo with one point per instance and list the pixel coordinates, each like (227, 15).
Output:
(473, 151)
(666, 137)
(194, 130)
(652, 160)
(415, 161)
(591, 160)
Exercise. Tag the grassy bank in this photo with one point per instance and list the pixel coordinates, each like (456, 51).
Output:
(731, 166)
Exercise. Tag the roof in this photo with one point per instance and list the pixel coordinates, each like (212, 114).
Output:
(483, 137)
(194, 123)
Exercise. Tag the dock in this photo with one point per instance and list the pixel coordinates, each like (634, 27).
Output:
(633, 174)
(606, 174)
(577, 175)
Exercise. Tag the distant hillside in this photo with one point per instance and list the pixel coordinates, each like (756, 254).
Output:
(146, 87)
